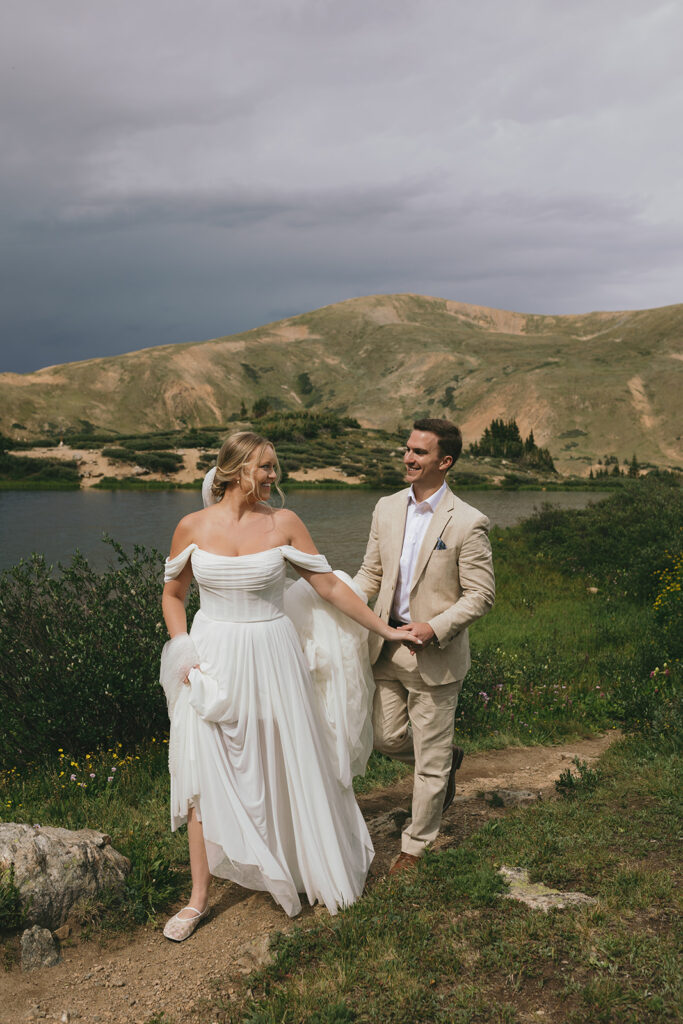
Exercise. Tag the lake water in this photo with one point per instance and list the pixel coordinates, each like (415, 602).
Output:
(57, 523)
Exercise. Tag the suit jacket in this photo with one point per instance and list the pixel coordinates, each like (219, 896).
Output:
(451, 586)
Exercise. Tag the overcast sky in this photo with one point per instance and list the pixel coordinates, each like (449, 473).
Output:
(175, 170)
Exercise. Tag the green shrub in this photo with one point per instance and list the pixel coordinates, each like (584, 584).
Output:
(12, 914)
(155, 462)
(571, 785)
(79, 655)
(665, 729)
(150, 444)
(206, 460)
(668, 607)
(28, 470)
(118, 454)
(626, 541)
(160, 462)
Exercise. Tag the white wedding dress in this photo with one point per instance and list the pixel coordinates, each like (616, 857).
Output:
(276, 721)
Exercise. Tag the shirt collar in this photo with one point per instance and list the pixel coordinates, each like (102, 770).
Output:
(432, 501)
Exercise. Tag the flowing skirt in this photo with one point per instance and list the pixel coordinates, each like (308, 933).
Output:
(251, 750)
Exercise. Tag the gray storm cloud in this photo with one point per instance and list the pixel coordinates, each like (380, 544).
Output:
(175, 171)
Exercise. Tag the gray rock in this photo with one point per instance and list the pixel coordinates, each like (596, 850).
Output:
(513, 797)
(55, 868)
(389, 824)
(539, 896)
(38, 949)
(255, 954)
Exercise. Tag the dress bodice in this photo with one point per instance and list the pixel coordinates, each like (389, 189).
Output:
(243, 588)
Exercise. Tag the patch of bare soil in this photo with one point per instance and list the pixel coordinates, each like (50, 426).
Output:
(92, 465)
(324, 473)
(128, 978)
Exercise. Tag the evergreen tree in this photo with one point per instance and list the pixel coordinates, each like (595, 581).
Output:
(260, 407)
(502, 440)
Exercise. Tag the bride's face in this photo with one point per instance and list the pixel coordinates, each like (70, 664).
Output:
(261, 471)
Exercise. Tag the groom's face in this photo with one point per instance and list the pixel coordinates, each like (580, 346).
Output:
(424, 463)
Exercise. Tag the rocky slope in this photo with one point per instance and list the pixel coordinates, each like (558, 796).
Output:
(586, 385)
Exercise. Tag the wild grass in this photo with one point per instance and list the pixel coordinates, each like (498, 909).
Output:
(439, 945)
(586, 631)
(551, 659)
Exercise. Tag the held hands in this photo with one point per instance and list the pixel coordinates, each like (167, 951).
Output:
(421, 631)
(404, 635)
(420, 634)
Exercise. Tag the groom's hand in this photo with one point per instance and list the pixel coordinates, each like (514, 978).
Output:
(421, 630)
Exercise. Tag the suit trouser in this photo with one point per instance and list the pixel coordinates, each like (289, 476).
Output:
(414, 722)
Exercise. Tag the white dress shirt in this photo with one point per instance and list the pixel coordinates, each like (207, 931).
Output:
(417, 520)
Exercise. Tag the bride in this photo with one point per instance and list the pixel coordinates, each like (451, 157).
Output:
(274, 717)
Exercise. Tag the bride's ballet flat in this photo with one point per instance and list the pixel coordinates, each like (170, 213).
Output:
(177, 928)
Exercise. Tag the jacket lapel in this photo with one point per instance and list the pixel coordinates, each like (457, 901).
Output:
(396, 531)
(440, 517)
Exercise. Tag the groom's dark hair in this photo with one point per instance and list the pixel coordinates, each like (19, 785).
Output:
(448, 435)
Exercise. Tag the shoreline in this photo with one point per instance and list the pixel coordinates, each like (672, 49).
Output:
(123, 484)
(331, 464)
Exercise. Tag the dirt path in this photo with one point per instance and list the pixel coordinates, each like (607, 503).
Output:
(129, 978)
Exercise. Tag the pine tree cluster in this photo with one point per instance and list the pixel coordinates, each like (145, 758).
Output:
(502, 440)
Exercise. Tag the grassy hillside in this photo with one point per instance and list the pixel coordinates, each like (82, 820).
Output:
(589, 385)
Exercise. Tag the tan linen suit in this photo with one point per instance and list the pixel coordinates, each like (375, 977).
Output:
(416, 696)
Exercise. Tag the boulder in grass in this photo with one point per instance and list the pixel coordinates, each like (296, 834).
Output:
(56, 868)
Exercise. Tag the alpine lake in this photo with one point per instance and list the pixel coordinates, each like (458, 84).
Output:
(56, 524)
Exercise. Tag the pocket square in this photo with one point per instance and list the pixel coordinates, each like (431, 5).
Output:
(439, 546)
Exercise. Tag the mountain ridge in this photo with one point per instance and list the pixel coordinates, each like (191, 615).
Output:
(586, 384)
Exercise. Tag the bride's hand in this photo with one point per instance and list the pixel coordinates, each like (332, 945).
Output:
(421, 632)
(186, 680)
(402, 636)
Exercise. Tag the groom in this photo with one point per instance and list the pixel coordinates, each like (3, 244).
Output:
(429, 561)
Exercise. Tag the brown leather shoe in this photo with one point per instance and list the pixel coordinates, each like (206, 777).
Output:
(404, 862)
(449, 795)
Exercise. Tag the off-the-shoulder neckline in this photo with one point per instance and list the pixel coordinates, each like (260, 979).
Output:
(252, 554)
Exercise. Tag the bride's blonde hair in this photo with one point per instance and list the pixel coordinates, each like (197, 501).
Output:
(233, 459)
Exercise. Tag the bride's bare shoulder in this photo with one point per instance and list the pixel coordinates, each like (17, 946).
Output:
(294, 529)
(285, 519)
(186, 531)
